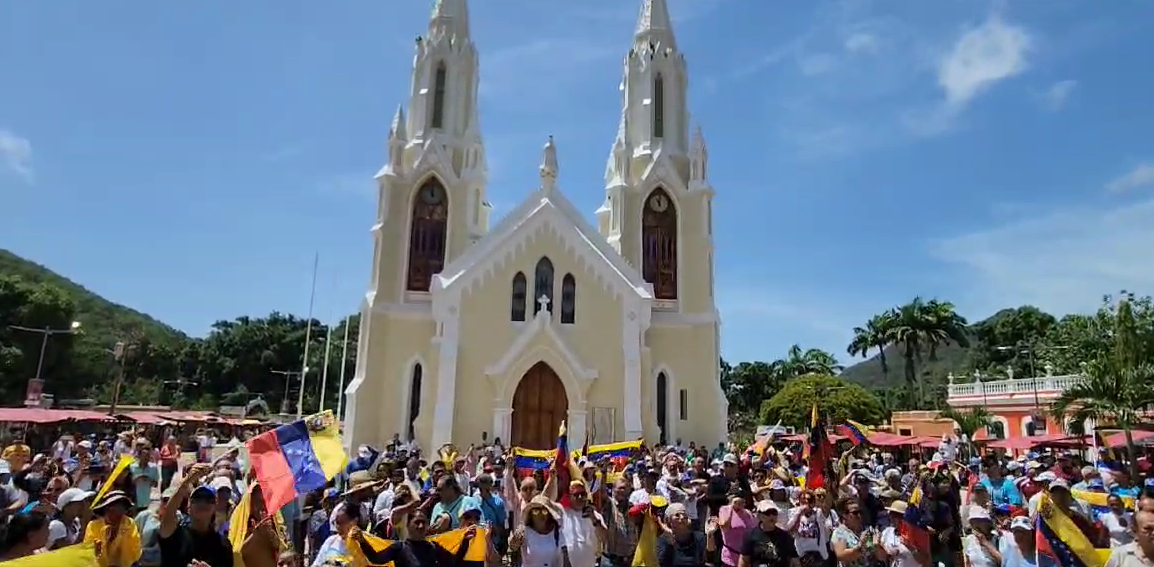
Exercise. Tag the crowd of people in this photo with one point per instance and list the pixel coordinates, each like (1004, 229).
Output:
(660, 506)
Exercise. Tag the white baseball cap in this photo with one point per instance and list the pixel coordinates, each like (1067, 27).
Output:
(72, 495)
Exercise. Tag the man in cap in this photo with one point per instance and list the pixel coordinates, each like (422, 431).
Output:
(74, 508)
(199, 540)
(767, 545)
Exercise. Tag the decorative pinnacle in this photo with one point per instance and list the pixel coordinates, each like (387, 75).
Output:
(549, 166)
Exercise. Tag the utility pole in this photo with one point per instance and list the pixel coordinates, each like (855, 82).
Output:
(119, 353)
(45, 333)
(308, 338)
(288, 375)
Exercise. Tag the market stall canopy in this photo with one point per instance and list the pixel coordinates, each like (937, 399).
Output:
(883, 439)
(1140, 437)
(41, 415)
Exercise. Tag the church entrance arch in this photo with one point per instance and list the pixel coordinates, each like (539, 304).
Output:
(539, 405)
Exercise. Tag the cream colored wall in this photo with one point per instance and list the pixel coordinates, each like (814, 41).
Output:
(394, 345)
(689, 355)
(487, 333)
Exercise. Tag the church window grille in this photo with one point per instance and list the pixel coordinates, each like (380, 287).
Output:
(517, 310)
(414, 400)
(659, 244)
(659, 106)
(439, 80)
(568, 299)
(427, 235)
(543, 284)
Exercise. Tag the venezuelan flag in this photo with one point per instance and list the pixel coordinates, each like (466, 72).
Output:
(1060, 542)
(1096, 501)
(528, 460)
(854, 430)
(612, 450)
(296, 458)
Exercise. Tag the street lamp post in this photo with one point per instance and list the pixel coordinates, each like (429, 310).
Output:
(45, 333)
(288, 375)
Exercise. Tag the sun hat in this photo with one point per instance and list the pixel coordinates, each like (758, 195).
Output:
(674, 509)
(113, 497)
(72, 495)
(221, 483)
(470, 505)
(1059, 483)
(1047, 476)
(1021, 523)
(763, 507)
(898, 507)
(542, 502)
(978, 513)
(360, 480)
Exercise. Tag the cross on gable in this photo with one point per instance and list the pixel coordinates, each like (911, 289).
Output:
(543, 301)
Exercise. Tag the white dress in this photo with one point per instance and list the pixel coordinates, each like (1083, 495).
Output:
(542, 550)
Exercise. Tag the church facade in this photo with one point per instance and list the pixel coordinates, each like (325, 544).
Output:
(471, 332)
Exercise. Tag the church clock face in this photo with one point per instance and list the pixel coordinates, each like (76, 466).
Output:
(431, 194)
(659, 203)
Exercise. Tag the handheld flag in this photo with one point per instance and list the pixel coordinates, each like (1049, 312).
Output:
(818, 452)
(121, 466)
(296, 458)
(855, 431)
(451, 541)
(79, 555)
(1060, 542)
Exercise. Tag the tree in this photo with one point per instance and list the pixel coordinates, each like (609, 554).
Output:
(35, 306)
(875, 335)
(1009, 338)
(837, 401)
(924, 325)
(798, 362)
(970, 421)
(1119, 384)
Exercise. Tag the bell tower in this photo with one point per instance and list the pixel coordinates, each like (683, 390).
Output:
(658, 201)
(432, 203)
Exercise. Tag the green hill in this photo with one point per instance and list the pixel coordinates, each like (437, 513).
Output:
(950, 358)
(104, 321)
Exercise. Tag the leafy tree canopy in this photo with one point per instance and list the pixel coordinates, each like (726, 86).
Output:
(837, 400)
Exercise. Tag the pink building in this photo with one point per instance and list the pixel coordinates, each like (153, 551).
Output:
(1020, 405)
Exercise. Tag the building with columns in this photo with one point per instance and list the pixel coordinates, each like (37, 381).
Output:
(472, 331)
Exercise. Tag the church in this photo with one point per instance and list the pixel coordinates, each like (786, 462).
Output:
(472, 332)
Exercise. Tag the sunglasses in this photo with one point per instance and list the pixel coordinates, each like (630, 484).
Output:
(853, 512)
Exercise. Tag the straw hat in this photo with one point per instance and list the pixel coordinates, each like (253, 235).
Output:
(544, 503)
(898, 507)
(111, 498)
(360, 480)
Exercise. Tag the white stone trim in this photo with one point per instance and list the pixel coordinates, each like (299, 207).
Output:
(671, 397)
(446, 311)
(541, 212)
(542, 324)
(505, 385)
(633, 333)
(407, 398)
(1005, 423)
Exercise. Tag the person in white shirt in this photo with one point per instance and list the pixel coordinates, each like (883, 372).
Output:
(62, 449)
(541, 541)
(582, 527)
(75, 506)
(981, 546)
(1118, 522)
(1019, 550)
(900, 554)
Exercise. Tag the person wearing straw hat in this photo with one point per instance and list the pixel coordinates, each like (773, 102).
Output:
(113, 533)
(900, 553)
(540, 541)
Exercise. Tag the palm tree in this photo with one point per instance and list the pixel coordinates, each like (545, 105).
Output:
(875, 335)
(969, 421)
(920, 325)
(810, 361)
(1116, 396)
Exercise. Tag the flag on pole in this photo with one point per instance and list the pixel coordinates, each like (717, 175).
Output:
(818, 452)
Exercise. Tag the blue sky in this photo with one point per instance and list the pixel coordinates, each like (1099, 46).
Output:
(187, 159)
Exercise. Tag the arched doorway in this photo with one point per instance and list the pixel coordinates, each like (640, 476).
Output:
(539, 406)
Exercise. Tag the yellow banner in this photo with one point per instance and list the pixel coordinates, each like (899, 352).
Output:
(451, 541)
(121, 466)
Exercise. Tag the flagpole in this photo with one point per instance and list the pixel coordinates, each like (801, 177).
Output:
(308, 338)
(344, 363)
(325, 372)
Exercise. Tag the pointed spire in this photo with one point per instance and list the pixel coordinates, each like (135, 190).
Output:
(654, 23)
(450, 16)
(397, 130)
(549, 166)
(697, 144)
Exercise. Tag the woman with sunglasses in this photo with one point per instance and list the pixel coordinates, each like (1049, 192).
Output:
(415, 550)
(854, 545)
(810, 526)
(539, 542)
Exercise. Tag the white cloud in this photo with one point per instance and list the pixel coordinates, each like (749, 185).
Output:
(980, 58)
(861, 42)
(1141, 176)
(1055, 97)
(1061, 261)
(816, 64)
(16, 154)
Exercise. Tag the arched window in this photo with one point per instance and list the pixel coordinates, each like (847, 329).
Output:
(414, 400)
(568, 299)
(543, 284)
(662, 405)
(659, 106)
(439, 79)
(427, 235)
(517, 309)
(659, 244)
